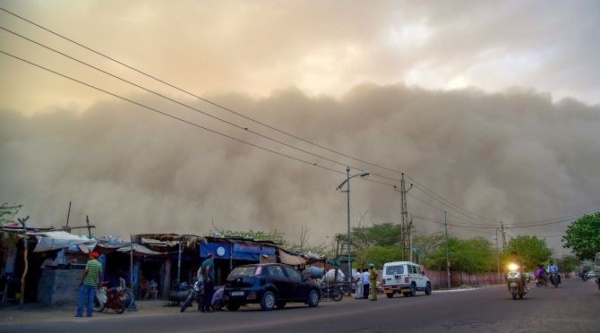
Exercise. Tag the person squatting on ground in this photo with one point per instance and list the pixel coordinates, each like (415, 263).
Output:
(89, 283)
(217, 299)
(208, 271)
(373, 276)
(365, 282)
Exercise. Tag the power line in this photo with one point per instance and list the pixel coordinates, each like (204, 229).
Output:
(424, 189)
(167, 114)
(199, 97)
(460, 210)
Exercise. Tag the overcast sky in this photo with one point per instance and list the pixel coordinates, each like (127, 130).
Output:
(491, 110)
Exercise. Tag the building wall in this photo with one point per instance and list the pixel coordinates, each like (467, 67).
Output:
(59, 286)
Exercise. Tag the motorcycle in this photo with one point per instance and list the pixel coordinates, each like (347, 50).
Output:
(542, 280)
(331, 291)
(554, 279)
(514, 281)
(196, 291)
(112, 298)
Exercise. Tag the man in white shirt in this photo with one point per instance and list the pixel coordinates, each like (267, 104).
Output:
(357, 279)
(553, 269)
(366, 283)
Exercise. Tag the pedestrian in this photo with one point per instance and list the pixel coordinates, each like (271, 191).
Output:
(358, 282)
(365, 282)
(373, 277)
(89, 283)
(200, 295)
(208, 271)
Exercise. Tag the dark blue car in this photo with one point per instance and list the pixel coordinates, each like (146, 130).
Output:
(269, 285)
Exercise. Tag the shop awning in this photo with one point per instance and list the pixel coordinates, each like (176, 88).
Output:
(56, 240)
(140, 249)
(290, 259)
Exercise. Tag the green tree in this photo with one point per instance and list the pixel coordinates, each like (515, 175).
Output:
(385, 235)
(473, 256)
(568, 263)
(378, 255)
(8, 212)
(583, 236)
(425, 245)
(531, 250)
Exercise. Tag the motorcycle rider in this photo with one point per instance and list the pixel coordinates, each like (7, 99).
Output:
(540, 275)
(517, 260)
(553, 269)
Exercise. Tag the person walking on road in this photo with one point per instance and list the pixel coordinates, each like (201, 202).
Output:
(89, 283)
(365, 282)
(373, 277)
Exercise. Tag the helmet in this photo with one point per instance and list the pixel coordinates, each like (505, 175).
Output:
(371, 265)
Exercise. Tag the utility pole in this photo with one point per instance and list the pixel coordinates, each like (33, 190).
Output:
(503, 235)
(404, 227)
(447, 257)
(498, 254)
(410, 237)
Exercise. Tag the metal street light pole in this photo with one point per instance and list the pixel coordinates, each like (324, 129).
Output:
(347, 183)
(498, 254)
(447, 257)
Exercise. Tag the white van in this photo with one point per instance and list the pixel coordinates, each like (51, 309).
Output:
(404, 277)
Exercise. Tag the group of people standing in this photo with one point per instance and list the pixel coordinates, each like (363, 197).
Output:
(366, 283)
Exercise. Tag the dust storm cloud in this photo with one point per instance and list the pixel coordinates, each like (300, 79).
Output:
(514, 156)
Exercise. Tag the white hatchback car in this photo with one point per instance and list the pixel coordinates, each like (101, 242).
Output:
(404, 277)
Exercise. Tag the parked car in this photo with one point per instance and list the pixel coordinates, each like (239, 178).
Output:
(269, 285)
(404, 277)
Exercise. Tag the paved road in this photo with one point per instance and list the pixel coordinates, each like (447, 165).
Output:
(570, 308)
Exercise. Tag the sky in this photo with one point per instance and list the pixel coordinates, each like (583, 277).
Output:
(200, 116)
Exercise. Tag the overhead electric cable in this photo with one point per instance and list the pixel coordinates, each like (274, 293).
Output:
(167, 114)
(234, 112)
(196, 96)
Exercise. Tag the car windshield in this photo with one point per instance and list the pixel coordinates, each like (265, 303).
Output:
(243, 272)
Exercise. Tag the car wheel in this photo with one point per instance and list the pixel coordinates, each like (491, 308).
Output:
(428, 289)
(280, 304)
(390, 295)
(268, 301)
(413, 290)
(313, 298)
(233, 306)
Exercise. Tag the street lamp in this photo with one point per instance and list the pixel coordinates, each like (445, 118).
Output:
(347, 183)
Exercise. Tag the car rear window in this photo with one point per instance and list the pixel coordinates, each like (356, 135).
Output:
(243, 272)
(392, 270)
